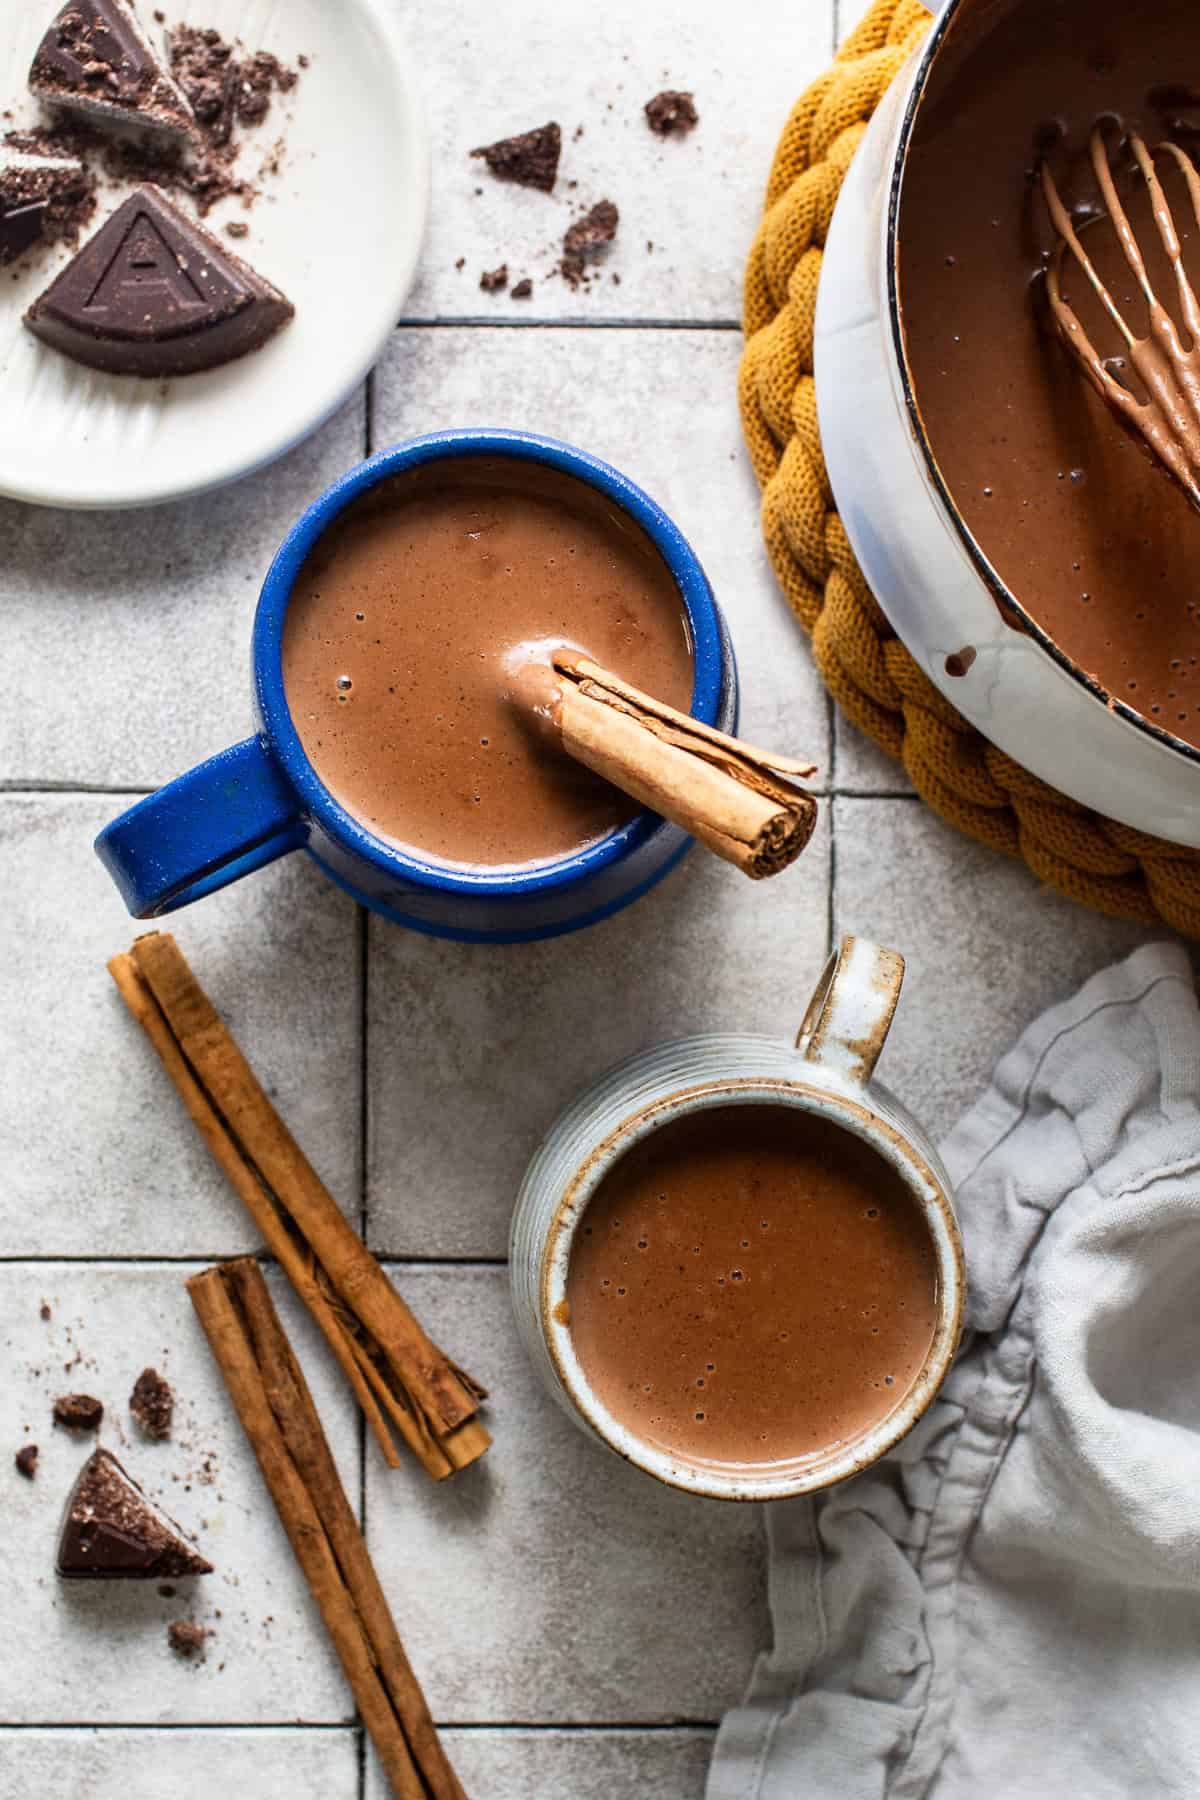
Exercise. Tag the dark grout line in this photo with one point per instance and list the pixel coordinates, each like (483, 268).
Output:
(172, 1260)
(564, 1727)
(831, 886)
(19, 785)
(167, 1260)
(479, 321)
(170, 1727)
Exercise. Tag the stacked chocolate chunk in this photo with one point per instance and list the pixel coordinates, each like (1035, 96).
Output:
(151, 293)
(42, 199)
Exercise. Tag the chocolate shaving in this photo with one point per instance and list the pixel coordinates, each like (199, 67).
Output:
(522, 290)
(187, 1639)
(586, 238)
(26, 1460)
(225, 90)
(531, 160)
(671, 113)
(492, 279)
(152, 1404)
(78, 1412)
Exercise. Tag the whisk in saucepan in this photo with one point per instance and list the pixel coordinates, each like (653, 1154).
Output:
(1167, 365)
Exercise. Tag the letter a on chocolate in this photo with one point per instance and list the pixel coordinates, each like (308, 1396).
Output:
(154, 294)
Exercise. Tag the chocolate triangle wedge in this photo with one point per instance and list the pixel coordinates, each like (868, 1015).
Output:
(112, 1532)
(152, 293)
(96, 60)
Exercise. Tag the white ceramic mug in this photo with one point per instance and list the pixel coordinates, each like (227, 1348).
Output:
(827, 1072)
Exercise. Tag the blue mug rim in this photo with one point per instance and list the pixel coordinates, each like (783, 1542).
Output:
(267, 646)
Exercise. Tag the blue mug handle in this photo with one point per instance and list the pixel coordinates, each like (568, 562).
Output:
(224, 818)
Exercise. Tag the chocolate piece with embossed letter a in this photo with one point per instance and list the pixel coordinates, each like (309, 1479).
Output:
(154, 294)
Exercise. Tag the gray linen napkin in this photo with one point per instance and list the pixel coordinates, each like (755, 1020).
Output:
(1008, 1607)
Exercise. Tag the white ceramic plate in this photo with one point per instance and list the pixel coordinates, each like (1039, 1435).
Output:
(339, 229)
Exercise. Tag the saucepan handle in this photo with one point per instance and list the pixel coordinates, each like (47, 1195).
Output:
(851, 1011)
(221, 820)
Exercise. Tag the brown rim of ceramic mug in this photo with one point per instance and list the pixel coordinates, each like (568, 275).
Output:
(861, 1121)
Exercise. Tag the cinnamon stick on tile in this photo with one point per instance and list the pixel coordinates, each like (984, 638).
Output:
(742, 802)
(408, 1388)
(273, 1402)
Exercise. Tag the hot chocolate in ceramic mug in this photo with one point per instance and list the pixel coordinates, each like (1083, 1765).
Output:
(387, 745)
(736, 1261)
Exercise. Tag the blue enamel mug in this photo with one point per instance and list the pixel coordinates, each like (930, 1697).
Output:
(261, 799)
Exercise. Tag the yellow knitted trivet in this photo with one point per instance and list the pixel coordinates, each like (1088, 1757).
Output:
(862, 662)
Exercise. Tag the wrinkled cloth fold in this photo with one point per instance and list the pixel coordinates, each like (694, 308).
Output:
(1008, 1606)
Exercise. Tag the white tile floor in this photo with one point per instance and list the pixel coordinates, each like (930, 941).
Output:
(578, 1631)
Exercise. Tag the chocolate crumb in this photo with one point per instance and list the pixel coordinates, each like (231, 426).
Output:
(491, 279)
(237, 228)
(167, 1591)
(152, 1404)
(78, 1412)
(26, 1460)
(226, 92)
(671, 113)
(186, 1638)
(206, 176)
(461, 263)
(531, 159)
(522, 290)
(302, 61)
(586, 238)
(44, 1310)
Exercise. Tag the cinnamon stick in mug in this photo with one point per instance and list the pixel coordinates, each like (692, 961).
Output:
(407, 1387)
(740, 801)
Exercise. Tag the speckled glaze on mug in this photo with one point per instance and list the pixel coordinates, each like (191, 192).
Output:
(828, 1072)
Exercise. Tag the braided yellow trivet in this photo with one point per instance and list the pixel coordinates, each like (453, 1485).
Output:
(863, 663)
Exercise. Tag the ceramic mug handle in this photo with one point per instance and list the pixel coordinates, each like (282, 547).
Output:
(222, 819)
(851, 1011)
